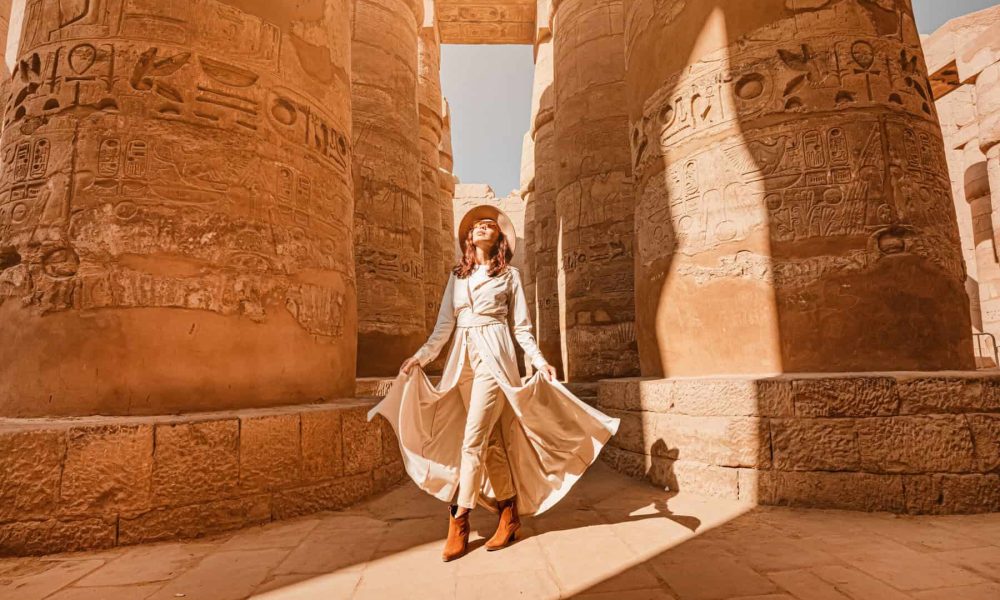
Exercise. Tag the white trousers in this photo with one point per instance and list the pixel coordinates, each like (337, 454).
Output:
(484, 451)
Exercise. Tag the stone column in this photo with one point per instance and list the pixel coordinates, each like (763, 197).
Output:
(175, 209)
(429, 95)
(546, 231)
(389, 221)
(5, 82)
(447, 182)
(794, 209)
(594, 197)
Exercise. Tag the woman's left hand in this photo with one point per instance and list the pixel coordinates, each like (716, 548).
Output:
(549, 373)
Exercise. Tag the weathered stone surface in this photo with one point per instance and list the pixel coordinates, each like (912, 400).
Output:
(818, 489)
(920, 444)
(194, 520)
(708, 397)
(766, 243)
(322, 444)
(952, 494)
(815, 445)
(624, 461)
(632, 431)
(195, 461)
(943, 395)
(986, 438)
(107, 468)
(722, 441)
(388, 218)
(325, 496)
(707, 480)
(594, 192)
(845, 397)
(30, 470)
(54, 535)
(270, 451)
(619, 394)
(362, 441)
(390, 443)
(196, 209)
(388, 475)
(430, 103)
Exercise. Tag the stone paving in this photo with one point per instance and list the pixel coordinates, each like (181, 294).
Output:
(612, 537)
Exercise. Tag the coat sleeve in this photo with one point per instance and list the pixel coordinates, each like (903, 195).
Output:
(442, 329)
(521, 323)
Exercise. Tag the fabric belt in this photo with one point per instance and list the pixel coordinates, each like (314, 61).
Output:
(467, 318)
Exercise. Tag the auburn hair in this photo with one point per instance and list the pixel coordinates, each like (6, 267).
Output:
(499, 256)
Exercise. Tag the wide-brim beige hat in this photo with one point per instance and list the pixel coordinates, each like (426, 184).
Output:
(487, 211)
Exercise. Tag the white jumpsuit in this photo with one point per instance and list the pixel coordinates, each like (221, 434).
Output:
(537, 442)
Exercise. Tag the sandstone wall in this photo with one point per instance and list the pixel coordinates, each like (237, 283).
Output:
(794, 207)
(388, 224)
(176, 206)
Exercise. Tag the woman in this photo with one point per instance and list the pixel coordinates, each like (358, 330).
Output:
(464, 441)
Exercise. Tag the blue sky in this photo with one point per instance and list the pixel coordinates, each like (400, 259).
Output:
(489, 88)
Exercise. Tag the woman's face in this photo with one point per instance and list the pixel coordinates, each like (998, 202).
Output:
(485, 233)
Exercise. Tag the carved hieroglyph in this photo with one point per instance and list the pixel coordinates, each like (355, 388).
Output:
(794, 211)
(429, 96)
(594, 200)
(389, 221)
(175, 208)
(486, 21)
(543, 220)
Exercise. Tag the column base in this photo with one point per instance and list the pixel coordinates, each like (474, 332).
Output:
(97, 482)
(906, 442)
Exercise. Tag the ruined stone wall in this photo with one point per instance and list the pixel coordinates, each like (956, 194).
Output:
(594, 191)
(176, 208)
(794, 207)
(389, 220)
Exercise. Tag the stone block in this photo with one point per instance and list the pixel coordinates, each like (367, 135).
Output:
(195, 461)
(625, 462)
(952, 494)
(194, 520)
(706, 480)
(715, 397)
(107, 468)
(388, 475)
(845, 397)
(619, 394)
(322, 445)
(721, 441)
(820, 489)
(390, 443)
(631, 434)
(270, 451)
(774, 398)
(986, 437)
(931, 395)
(990, 401)
(333, 495)
(814, 445)
(362, 441)
(54, 535)
(30, 468)
(916, 444)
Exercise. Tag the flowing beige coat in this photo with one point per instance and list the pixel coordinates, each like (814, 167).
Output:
(552, 436)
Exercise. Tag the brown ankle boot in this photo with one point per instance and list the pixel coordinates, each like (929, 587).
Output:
(458, 536)
(508, 526)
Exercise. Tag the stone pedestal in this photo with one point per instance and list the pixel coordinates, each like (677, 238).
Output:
(794, 209)
(901, 442)
(389, 221)
(594, 190)
(99, 482)
(175, 209)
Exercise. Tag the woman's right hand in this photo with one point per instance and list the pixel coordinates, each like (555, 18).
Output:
(408, 364)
